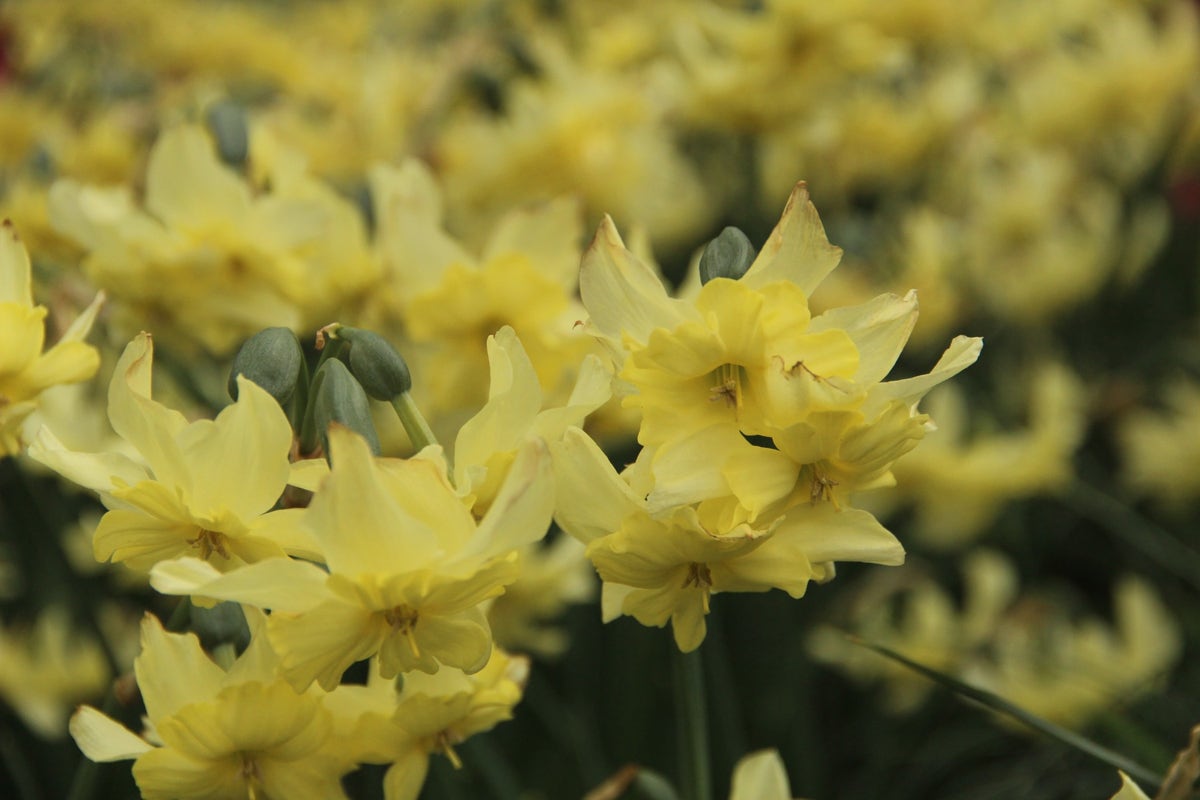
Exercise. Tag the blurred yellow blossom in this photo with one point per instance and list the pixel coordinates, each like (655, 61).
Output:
(408, 565)
(1161, 448)
(204, 487)
(217, 733)
(26, 371)
(206, 259)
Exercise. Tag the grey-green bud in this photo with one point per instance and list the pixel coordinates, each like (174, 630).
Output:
(272, 358)
(376, 365)
(729, 255)
(227, 122)
(340, 398)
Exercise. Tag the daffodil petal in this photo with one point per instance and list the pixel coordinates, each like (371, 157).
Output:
(592, 500)
(797, 249)
(104, 739)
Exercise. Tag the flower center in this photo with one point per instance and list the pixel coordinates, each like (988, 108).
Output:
(444, 742)
(700, 577)
(403, 621)
(726, 385)
(251, 776)
(209, 542)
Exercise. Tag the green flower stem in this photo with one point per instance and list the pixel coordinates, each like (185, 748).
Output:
(418, 430)
(691, 715)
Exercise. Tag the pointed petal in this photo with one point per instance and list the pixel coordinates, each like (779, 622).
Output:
(823, 533)
(623, 295)
(279, 584)
(104, 739)
(173, 670)
(797, 250)
(522, 510)
(15, 275)
(100, 472)
(879, 329)
(186, 184)
(961, 353)
(149, 426)
(591, 499)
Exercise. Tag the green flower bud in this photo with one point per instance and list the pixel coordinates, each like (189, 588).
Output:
(340, 398)
(729, 255)
(272, 358)
(227, 122)
(376, 364)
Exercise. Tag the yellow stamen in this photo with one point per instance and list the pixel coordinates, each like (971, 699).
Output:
(700, 577)
(446, 747)
(404, 621)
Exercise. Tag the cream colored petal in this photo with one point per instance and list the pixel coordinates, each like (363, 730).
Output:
(304, 779)
(308, 474)
(100, 472)
(15, 281)
(102, 738)
(462, 641)
(879, 329)
(320, 644)
(514, 399)
(361, 527)
(139, 540)
(522, 510)
(1129, 790)
(167, 774)
(406, 776)
(149, 426)
(797, 250)
(280, 584)
(186, 184)
(173, 670)
(823, 533)
(81, 326)
(623, 295)
(760, 776)
(549, 235)
(242, 464)
(591, 499)
(961, 353)
(23, 330)
(593, 388)
(286, 528)
(408, 214)
(66, 362)
(612, 600)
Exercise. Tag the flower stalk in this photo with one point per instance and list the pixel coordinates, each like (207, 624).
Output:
(691, 712)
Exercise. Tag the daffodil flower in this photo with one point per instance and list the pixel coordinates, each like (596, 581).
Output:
(204, 488)
(25, 371)
(408, 565)
(212, 733)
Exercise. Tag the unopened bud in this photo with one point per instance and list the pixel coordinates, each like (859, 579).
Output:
(729, 255)
(227, 122)
(376, 364)
(341, 399)
(272, 358)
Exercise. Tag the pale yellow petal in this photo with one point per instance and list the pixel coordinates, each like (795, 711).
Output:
(100, 472)
(149, 426)
(242, 463)
(187, 186)
(879, 329)
(102, 738)
(797, 249)
(623, 295)
(961, 353)
(760, 776)
(65, 362)
(320, 644)
(1129, 790)
(173, 670)
(522, 510)
(548, 235)
(591, 499)
(167, 774)
(361, 526)
(824, 533)
(280, 584)
(15, 281)
(406, 776)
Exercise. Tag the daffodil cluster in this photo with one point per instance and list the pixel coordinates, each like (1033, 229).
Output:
(759, 422)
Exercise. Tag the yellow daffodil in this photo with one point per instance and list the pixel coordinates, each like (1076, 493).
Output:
(25, 371)
(219, 734)
(430, 714)
(208, 258)
(203, 488)
(448, 300)
(744, 358)
(408, 565)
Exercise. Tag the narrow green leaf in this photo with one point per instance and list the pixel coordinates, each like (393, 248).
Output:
(1002, 706)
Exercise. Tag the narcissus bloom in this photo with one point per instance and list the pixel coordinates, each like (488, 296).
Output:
(204, 488)
(219, 734)
(760, 776)
(408, 565)
(25, 371)
(431, 714)
(746, 359)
